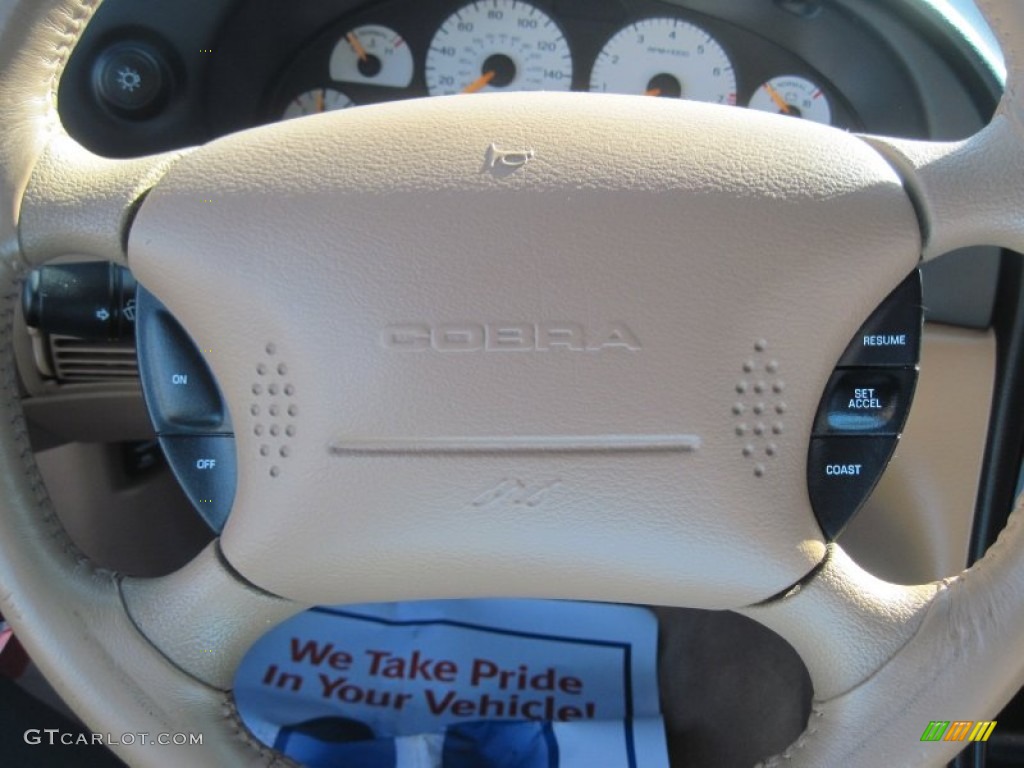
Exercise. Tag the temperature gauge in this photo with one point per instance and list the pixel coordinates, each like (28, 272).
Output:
(795, 96)
(316, 101)
(372, 55)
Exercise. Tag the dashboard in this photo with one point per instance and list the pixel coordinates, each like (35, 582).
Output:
(155, 76)
(409, 50)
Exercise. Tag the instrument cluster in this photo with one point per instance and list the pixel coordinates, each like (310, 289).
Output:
(405, 49)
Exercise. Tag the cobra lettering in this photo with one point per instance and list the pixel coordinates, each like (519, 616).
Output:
(509, 337)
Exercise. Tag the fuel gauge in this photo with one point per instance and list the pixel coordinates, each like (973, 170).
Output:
(795, 96)
(372, 55)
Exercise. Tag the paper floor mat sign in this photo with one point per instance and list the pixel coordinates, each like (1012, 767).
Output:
(453, 684)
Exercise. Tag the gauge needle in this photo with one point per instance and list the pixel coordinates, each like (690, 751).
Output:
(356, 46)
(480, 82)
(319, 101)
(652, 92)
(777, 98)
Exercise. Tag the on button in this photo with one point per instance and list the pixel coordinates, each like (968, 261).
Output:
(179, 388)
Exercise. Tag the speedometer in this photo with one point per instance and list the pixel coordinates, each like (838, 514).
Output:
(665, 57)
(496, 45)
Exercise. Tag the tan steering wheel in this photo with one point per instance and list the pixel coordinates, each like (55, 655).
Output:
(566, 291)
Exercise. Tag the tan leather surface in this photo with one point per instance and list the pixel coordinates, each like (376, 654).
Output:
(844, 622)
(965, 653)
(72, 621)
(963, 190)
(202, 617)
(80, 203)
(69, 615)
(464, 466)
(964, 662)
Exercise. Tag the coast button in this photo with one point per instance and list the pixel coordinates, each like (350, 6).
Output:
(841, 471)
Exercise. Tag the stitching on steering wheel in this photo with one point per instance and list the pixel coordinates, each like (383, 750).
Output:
(11, 402)
(1011, 53)
(802, 740)
(956, 585)
(70, 33)
(271, 758)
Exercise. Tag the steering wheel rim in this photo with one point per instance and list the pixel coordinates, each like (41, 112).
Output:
(880, 655)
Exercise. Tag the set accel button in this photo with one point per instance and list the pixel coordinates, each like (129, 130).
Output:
(866, 401)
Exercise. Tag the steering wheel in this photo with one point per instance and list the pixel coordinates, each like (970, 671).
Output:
(408, 306)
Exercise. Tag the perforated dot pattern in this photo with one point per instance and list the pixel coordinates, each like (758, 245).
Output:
(760, 408)
(274, 410)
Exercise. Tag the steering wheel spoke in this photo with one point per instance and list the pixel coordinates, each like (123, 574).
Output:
(969, 192)
(204, 617)
(844, 622)
(945, 651)
(79, 203)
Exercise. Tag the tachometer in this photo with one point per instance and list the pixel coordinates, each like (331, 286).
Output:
(665, 57)
(496, 45)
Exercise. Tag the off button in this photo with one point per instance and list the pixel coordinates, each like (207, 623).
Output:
(206, 469)
(841, 472)
(866, 402)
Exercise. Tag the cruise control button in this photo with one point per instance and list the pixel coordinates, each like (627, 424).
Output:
(892, 335)
(866, 402)
(841, 473)
(178, 386)
(205, 468)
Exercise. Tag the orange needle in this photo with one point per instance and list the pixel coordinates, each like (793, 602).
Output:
(653, 92)
(356, 46)
(480, 82)
(320, 100)
(777, 98)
